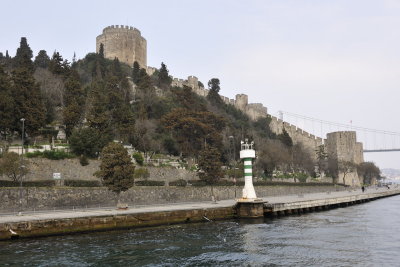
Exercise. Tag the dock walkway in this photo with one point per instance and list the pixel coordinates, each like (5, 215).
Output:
(63, 222)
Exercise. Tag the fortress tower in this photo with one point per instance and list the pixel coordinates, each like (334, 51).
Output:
(124, 42)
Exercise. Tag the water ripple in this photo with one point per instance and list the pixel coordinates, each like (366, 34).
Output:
(361, 235)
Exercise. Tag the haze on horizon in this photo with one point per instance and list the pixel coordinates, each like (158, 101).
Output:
(332, 60)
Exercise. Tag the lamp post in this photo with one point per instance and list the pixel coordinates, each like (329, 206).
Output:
(232, 148)
(22, 166)
(233, 158)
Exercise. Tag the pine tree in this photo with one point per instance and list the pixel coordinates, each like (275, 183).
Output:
(116, 168)
(42, 59)
(164, 80)
(7, 105)
(213, 93)
(66, 66)
(144, 80)
(74, 101)
(87, 142)
(23, 57)
(122, 118)
(101, 50)
(74, 60)
(147, 95)
(99, 115)
(56, 63)
(116, 69)
(135, 72)
(28, 101)
(210, 165)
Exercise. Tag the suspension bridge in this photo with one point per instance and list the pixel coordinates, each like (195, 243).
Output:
(373, 140)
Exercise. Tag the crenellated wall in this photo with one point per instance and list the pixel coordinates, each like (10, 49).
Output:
(125, 43)
(310, 142)
(253, 110)
(343, 147)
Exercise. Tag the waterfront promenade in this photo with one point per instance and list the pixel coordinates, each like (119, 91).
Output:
(62, 222)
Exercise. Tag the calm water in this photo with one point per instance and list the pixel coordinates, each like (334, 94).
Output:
(361, 235)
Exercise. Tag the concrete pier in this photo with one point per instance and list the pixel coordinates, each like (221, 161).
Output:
(323, 201)
(250, 209)
(78, 221)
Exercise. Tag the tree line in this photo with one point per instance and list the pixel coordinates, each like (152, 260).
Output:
(97, 100)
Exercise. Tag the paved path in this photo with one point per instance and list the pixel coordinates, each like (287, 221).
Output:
(177, 206)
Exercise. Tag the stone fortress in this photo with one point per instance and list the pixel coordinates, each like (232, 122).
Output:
(127, 44)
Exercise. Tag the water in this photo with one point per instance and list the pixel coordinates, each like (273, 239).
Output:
(361, 235)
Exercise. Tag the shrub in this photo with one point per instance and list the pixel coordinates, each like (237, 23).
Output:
(269, 183)
(50, 154)
(82, 183)
(57, 155)
(141, 173)
(88, 141)
(150, 183)
(179, 182)
(197, 183)
(83, 160)
(225, 183)
(34, 154)
(42, 183)
(138, 158)
(302, 177)
(7, 183)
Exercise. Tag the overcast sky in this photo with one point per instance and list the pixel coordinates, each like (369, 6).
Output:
(332, 60)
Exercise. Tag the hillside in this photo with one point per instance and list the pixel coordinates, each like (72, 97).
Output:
(96, 100)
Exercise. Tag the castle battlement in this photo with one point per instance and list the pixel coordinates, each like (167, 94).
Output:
(122, 29)
(125, 43)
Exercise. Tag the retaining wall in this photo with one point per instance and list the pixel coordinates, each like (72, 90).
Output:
(71, 169)
(65, 198)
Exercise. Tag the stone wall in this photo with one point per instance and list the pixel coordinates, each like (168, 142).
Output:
(53, 198)
(343, 147)
(124, 42)
(253, 110)
(71, 169)
(310, 142)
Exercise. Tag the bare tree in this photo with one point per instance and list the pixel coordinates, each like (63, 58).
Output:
(272, 154)
(346, 167)
(13, 166)
(322, 159)
(369, 171)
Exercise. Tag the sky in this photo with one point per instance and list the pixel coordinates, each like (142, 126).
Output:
(331, 60)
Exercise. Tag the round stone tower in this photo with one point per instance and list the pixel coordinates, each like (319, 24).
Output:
(124, 42)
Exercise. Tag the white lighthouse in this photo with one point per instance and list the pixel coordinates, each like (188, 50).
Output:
(247, 153)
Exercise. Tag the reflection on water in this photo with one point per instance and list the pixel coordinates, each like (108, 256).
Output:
(361, 235)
